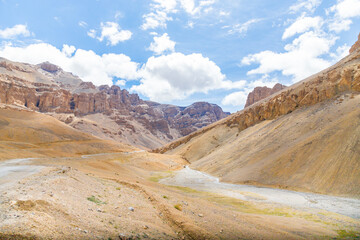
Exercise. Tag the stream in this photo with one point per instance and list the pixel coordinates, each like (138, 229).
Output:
(200, 181)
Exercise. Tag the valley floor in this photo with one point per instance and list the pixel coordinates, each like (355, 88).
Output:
(121, 196)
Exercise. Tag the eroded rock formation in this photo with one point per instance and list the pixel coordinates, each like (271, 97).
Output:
(260, 93)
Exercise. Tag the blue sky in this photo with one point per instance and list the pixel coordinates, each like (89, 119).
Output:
(182, 51)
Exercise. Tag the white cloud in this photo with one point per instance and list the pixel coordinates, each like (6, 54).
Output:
(68, 50)
(92, 33)
(162, 44)
(337, 25)
(113, 33)
(238, 98)
(161, 9)
(83, 24)
(341, 52)
(120, 83)
(159, 14)
(346, 8)
(177, 76)
(15, 31)
(235, 99)
(303, 24)
(191, 8)
(343, 11)
(98, 69)
(309, 5)
(155, 19)
(301, 58)
(244, 27)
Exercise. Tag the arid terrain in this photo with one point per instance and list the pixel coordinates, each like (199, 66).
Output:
(285, 167)
(305, 137)
(107, 112)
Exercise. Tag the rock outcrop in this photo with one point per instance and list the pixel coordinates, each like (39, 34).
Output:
(124, 117)
(260, 93)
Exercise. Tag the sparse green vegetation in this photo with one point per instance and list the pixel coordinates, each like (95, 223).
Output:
(157, 177)
(165, 197)
(187, 189)
(178, 207)
(348, 234)
(95, 200)
(118, 188)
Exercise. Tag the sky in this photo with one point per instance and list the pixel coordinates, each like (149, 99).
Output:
(182, 51)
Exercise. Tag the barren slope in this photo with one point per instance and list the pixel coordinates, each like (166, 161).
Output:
(29, 134)
(306, 137)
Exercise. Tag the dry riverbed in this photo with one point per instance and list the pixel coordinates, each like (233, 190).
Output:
(117, 196)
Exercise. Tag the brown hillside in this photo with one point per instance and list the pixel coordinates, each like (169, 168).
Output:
(30, 134)
(305, 137)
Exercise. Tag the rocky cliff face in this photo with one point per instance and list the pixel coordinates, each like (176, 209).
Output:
(260, 93)
(107, 112)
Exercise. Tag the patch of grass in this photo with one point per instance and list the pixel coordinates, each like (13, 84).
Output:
(165, 197)
(157, 177)
(178, 207)
(95, 200)
(118, 188)
(348, 234)
(186, 189)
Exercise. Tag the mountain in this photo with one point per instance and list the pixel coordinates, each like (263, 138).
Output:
(106, 112)
(306, 137)
(260, 93)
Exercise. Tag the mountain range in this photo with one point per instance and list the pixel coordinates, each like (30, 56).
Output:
(106, 112)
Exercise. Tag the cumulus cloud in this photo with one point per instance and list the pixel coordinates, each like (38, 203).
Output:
(177, 76)
(113, 33)
(15, 31)
(158, 17)
(238, 98)
(68, 50)
(160, 11)
(192, 8)
(303, 24)
(98, 69)
(343, 11)
(244, 27)
(301, 58)
(309, 5)
(162, 44)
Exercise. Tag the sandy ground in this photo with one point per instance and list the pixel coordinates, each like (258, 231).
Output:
(118, 196)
